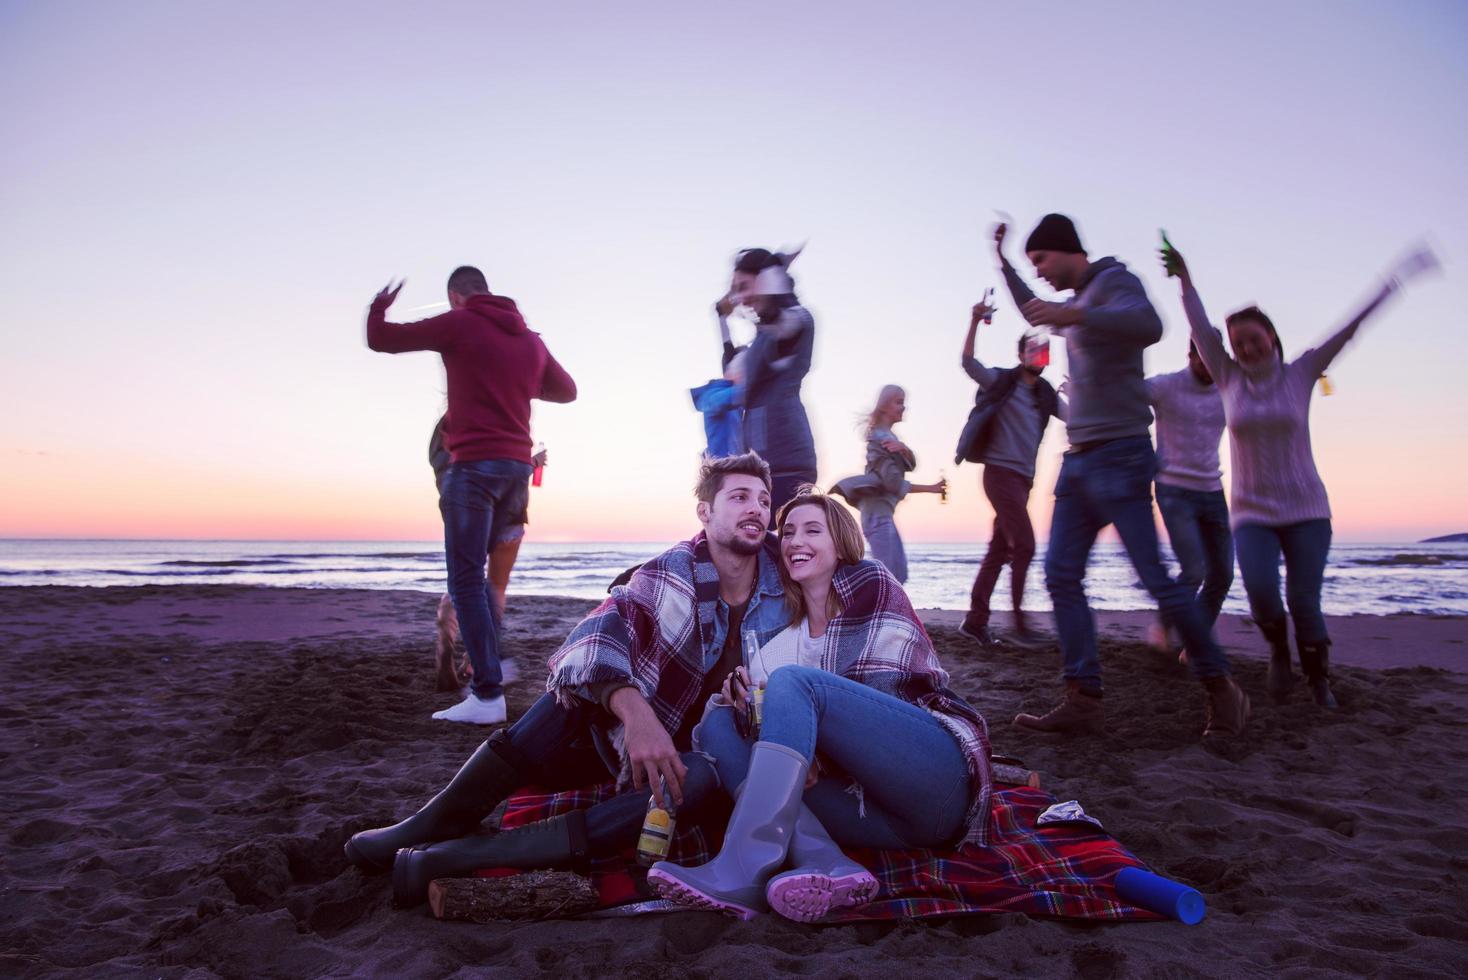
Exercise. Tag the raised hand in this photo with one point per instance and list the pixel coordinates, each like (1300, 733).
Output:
(387, 294)
(1421, 260)
(1173, 264)
(1040, 313)
(725, 304)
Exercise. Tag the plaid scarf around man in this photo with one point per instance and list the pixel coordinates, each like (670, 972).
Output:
(656, 633)
(878, 640)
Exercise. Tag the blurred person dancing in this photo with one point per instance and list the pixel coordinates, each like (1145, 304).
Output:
(1190, 496)
(1011, 410)
(775, 423)
(1279, 501)
(1106, 477)
(878, 492)
(495, 366)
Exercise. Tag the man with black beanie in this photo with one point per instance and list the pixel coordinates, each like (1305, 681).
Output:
(1107, 474)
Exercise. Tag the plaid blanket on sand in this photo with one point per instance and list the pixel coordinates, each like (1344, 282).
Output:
(1059, 871)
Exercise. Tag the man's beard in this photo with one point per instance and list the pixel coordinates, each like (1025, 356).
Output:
(738, 544)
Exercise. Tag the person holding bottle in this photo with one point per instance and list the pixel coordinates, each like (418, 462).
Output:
(878, 492)
(1011, 410)
(1279, 501)
(860, 743)
(1106, 478)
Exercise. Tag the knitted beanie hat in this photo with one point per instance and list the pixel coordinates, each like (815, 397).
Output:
(1054, 233)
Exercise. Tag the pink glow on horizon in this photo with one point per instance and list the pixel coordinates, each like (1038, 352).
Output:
(200, 201)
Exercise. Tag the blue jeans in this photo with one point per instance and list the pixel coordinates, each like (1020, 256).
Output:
(1197, 526)
(1112, 484)
(884, 543)
(1305, 546)
(553, 745)
(910, 777)
(477, 502)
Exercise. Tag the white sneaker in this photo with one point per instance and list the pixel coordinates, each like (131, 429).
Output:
(509, 670)
(475, 712)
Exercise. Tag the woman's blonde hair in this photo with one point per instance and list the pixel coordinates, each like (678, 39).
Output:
(845, 533)
(870, 421)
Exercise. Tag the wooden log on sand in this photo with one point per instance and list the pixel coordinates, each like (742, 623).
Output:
(533, 895)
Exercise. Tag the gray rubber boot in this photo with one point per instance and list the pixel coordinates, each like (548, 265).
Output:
(476, 789)
(557, 843)
(824, 878)
(755, 842)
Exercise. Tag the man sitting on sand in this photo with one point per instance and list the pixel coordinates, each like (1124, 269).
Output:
(495, 365)
(633, 677)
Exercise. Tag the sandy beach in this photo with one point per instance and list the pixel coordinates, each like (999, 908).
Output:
(182, 765)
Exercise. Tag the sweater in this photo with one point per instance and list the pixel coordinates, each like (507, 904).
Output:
(1189, 428)
(1275, 482)
(495, 365)
(1107, 390)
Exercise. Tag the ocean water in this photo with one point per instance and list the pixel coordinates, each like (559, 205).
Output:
(1361, 578)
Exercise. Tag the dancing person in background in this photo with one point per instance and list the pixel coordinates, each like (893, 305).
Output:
(1190, 496)
(1011, 410)
(879, 490)
(1106, 477)
(775, 423)
(854, 697)
(495, 366)
(503, 551)
(1279, 501)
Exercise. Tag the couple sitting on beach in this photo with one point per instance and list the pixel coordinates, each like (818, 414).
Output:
(861, 744)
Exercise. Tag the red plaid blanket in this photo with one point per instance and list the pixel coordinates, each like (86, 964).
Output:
(1064, 871)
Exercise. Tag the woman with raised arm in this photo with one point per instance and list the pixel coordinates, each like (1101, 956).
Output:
(1279, 504)
(878, 491)
(860, 743)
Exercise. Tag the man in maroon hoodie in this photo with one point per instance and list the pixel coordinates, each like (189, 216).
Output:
(495, 366)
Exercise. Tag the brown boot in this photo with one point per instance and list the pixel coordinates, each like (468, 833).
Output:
(1079, 714)
(1228, 708)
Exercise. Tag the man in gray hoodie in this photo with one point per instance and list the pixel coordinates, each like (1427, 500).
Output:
(1107, 474)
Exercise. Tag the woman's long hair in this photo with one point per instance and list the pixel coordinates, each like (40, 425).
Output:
(871, 421)
(850, 546)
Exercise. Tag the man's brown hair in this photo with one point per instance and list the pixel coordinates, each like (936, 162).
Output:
(714, 468)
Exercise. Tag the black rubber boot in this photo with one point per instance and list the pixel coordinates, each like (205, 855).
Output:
(1315, 662)
(1280, 679)
(558, 843)
(476, 789)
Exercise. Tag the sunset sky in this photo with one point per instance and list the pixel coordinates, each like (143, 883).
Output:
(197, 202)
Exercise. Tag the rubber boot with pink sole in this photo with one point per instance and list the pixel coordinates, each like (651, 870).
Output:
(755, 842)
(824, 878)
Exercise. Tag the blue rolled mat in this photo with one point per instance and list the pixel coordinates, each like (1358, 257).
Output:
(1161, 895)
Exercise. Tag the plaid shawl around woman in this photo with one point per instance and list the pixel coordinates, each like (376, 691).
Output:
(878, 640)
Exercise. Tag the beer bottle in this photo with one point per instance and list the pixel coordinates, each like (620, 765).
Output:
(657, 829)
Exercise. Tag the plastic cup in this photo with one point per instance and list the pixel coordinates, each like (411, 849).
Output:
(1161, 895)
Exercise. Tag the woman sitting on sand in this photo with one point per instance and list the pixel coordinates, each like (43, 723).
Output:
(1278, 502)
(877, 493)
(861, 743)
